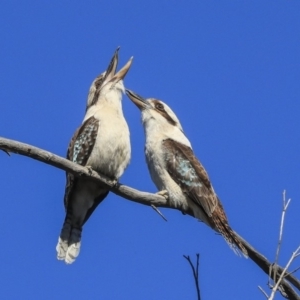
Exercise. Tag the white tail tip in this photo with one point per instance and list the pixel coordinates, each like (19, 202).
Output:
(61, 248)
(72, 253)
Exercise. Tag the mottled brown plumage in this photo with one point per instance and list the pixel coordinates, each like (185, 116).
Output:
(177, 172)
(102, 143)
(79, 150)
(187, 171)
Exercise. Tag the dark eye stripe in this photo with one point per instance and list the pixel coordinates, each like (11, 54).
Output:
(98, 83)
(159, 106)
(160, 109)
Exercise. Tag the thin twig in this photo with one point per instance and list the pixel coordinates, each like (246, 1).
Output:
(159, 212)
(284, 209)
(261, 261)
(261, 289)
(5, 151)
(292, 272)
(195, 273)
(294, 255)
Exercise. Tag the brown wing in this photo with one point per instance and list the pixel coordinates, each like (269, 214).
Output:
(79, 150)
(189, 174)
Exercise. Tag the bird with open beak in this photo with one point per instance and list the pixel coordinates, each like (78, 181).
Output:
(176, 171)
(102, 143)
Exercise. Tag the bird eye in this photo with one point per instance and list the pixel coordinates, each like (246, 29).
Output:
(159, 106)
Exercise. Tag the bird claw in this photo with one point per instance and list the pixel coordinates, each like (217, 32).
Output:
(90, 169)
(114, 182)
(163, 193)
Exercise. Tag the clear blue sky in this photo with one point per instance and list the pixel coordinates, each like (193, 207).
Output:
(231, 72)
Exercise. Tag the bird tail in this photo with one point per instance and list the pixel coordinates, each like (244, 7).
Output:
(222, 226)
(69, 242)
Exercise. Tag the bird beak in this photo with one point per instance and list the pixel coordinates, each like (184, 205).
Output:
(111, 69)
(139, 101)
(122, 73)
(110, 74)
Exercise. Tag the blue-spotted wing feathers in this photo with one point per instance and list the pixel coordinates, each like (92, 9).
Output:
(79, 150)
(186, 170)
(189, 174)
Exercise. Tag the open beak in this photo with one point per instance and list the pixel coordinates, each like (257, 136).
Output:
(122, 73)
(110, 74)
(139, 101)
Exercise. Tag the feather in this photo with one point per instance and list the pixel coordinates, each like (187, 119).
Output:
(189, 174)
(186, 170)
(79, 150)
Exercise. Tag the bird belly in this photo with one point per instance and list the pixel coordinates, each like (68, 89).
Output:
(163, 180)
(178, 199)
(111, 153)
(176, 196)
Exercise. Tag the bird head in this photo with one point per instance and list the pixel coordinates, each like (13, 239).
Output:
(154, 112)
(108, 80)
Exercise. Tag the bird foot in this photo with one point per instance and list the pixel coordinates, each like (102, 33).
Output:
(90, 169)
(114, 182)
(163, 193)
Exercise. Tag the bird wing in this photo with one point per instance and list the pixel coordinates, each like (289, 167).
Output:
(79, 150)
(186, 170)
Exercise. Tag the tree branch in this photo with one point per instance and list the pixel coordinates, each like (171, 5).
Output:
(135, 196)
(265, 265)
(262, 290)
(284, 209)
(278, 283)
(56, 161)
(195, 273)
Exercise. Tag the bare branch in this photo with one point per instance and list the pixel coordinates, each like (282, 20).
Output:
(195, 273)
(261, 289)
(6, 152)
(292, 272)
(273, 269)
(159, 212)
(265, 265)
(294, 255)
(133, 195)
(80, 171)
(284, 208)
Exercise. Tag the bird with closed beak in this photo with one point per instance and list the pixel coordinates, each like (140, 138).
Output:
(176, 171)
(102, 143)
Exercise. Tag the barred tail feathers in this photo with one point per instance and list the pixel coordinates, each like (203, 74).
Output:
(69, 242)
(222, 226)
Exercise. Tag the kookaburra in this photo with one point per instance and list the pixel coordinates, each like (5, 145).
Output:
(102, 143)
(176, 171)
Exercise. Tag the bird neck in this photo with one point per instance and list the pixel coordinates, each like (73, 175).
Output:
(109, 103)
(157, 132)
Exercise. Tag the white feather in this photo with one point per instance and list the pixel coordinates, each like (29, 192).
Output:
(157, 129)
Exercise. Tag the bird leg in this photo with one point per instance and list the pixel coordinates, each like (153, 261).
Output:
(163, 193)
